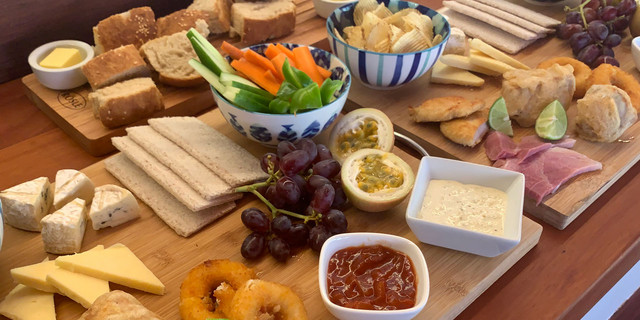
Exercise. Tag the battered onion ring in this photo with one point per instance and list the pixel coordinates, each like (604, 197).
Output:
(581, 72)
(258, 296)
(608, 74)
(196, 301)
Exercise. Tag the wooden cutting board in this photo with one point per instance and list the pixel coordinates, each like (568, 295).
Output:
(456, 278)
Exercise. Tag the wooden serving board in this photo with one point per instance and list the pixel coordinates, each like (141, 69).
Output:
(456, 278)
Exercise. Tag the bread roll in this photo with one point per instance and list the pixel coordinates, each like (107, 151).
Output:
(115, 65)
(218, 11)
(256, 22)
(182, 20)
(135, 27)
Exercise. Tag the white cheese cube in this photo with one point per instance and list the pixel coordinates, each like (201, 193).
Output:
(112, 206)
(71, 184)
(24, 205)
(63, 230)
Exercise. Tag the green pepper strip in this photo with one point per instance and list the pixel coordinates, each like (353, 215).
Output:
(286, 90)
(294, 76)
(306, 98)
(327, 90)
(279, 106)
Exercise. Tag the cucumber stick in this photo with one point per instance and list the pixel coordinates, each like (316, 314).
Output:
(208, 54)
(232, 80)
(247, 100)
(208, 75)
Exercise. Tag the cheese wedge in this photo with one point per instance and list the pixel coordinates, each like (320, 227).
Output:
(442, 73)
(63, 230)
(28, 304)
(477, 52)
(35, 275)
(116, 264)
(112, 206)
(464, 62)
(79, 287)
(490, 63)
(71, 184)
(24, 205)
(496, 54)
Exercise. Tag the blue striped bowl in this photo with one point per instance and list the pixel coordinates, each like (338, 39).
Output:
(386, 70)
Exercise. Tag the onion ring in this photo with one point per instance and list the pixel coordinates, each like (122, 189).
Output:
(581, 72)
(259, 296)
(196, 298)
(608, 74)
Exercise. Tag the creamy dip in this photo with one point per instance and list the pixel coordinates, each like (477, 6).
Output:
(467, 206)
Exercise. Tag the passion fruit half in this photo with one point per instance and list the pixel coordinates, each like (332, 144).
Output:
(364, 128)
(376, 180)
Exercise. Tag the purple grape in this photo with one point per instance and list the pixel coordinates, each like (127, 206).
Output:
(294, 162)
(302, 184)
(316, 181)
(565, 31)
(620, 24)
(309, 146)
(279, 249)
(280, 225)
(285, 147)
(323, 198)
(606, 51)
(274, 197)
(269, 161)
(317, 236)
(288, 189)
(588, 54)
(573, 17)
(340, 199)
(579, 41)
(323, 153)
(326, 168)
(626, 7)
(335, 221)
(590, 14)
(253, 246)
(298, 234)
(612, 40)
(255, 220)
(606, 59)
(593, 4)
(597, 30)
(608, 13)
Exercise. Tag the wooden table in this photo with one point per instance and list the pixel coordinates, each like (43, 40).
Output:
(563, 276)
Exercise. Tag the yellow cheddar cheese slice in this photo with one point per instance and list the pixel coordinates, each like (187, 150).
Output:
(116, 264)
(464, 62)
(442, 73)
(61, 58)
(35, 275)
(79, 287)
(487, 49)
(490, 63)
(26, 303)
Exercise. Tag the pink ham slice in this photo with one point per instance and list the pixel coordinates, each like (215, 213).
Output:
(547, 170)
(499, 146)
(531, 145)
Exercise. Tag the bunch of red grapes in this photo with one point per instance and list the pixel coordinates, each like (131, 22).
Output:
(305, 196)
(595, 27)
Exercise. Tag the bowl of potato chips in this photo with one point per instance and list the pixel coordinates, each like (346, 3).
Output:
(387, 43)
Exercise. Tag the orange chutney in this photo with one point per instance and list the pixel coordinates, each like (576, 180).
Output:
(371, 277)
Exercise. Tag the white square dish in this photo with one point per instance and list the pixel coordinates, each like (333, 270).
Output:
(512, 183)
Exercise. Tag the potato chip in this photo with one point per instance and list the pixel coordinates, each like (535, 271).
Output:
(411, 41)
(382, 12)
(437, 39)
(370, 20)
(335, 31)
(379, 39)
(396, 33)
(361, 8)
(354, 36)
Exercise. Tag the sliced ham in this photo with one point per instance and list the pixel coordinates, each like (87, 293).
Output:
(499, 146)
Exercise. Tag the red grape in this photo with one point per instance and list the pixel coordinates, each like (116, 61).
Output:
(255, 220)
(253, 246)
(607, 13)
(565, 31)
(612, 40)
(288, 190)
(309, 146)
(323, 153)
(605, 59)
(590, 14)
(589, 54)
(298, 234)
(285, 147)
(606, 51)
(323, 198)
(279, 249)
(593, 4)
(269, 161)
(317, 236)
(626, 7)
(579, 41)
(274, 197)
(620, 24)
(335, 221)
(280, 225)
(340, 199)
(573, 17)
(326, 168)
(597, 30)
(316, 181)
(294, 162)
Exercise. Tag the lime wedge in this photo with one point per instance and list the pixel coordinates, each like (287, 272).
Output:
(499, 117)
(552, 122)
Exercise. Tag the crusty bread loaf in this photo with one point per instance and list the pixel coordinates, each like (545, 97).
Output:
(170, 55)
(181, 20)
(259, 21)
(126, 102)
(183, 221)
(135, 27)
(218, 11)
(119, 64)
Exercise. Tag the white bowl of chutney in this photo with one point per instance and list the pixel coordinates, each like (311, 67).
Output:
(454, 235)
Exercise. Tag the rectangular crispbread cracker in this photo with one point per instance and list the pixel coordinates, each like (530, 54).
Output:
(165, 177)
(192, 171)
(183, 221)
(506, 16)
(229, 161)
(522, 12)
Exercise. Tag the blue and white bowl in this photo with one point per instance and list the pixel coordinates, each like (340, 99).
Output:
(270, 129)
(386, 70)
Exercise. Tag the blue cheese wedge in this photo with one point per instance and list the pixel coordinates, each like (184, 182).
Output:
(24, 205)
(63, 230)
(28, 304)
(112, 206)
(71, 184)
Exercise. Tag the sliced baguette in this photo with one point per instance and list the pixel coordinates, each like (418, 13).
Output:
(218, 14)
(126, 102)
(181, 20)
(255, 22)
(170, 55)
(115, 65)
(183, 221)
(135, 27)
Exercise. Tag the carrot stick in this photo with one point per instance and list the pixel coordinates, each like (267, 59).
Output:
(323, 72)
(289, 53)
(259, 60)
(231, 50)
(278, 61)
(257, 74)
(272, 51)
(306, 64)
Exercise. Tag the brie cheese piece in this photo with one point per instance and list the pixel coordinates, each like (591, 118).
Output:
(24, 205)
(112, 206)
(28, 304)
(442, 73)
(71, 184)
(63, 230)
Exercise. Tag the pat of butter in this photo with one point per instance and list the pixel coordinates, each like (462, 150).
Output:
(61, 58)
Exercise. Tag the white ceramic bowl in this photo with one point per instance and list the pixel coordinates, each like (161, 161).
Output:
(324, 8)
(345, 240)
(386, 70)
(270, 129)
(635, 51)
(63, 78)
(512, 183)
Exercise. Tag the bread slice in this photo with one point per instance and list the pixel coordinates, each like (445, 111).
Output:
(182, 20)
(135, 27)
(259, 21)
(218, 11)
(182, 220)
(170, 55)
(119, 64)
(126, 102)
